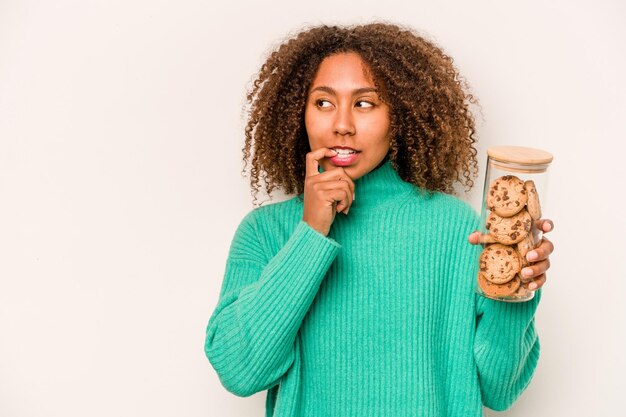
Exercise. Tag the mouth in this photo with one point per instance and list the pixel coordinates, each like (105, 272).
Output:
(345, 156)
(344, 151)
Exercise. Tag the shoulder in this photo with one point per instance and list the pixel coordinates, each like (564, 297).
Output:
(272, 221)
(455, 220)
(447, 210)
(265, 228)
(274, 211)
(459, 206)
(448, 203)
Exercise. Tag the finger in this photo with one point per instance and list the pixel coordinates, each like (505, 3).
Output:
(476, 237)
(345, 177)
(350, 183)
(542, 252)
(545, 225)
(339, 174)
(350, 188)
(345, 184)
(338, 197)
(338, 185)
(533, 271)
(313, 158)
(537, 283)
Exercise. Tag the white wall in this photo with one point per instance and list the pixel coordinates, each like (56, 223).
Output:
(120, 188)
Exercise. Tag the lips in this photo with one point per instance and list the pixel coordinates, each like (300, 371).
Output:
(345, 157)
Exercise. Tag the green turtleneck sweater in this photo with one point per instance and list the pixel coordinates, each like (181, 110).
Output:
(379, 318)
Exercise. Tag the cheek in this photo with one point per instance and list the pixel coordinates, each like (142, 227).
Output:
(313, 127)
(384, 127)
(378, 130)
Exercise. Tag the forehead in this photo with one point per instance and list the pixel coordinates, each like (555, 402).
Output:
(343, 70)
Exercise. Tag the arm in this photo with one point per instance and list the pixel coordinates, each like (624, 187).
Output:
(506, 345)
(506, 349)
(250, 336)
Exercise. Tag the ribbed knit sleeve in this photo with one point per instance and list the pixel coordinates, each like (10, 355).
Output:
(506, 349)
(250, 335)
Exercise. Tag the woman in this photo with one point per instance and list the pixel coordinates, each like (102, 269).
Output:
(371, 312)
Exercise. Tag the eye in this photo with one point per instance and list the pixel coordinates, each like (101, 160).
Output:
(322, 103)
(364, 104)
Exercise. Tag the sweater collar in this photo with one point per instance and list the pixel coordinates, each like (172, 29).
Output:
(379, 187)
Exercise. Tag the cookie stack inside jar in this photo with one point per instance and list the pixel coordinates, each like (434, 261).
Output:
(515, 186)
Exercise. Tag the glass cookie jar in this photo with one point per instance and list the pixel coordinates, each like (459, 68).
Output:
(513, 199)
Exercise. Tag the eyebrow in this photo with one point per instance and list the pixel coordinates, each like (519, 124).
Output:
(358, 91)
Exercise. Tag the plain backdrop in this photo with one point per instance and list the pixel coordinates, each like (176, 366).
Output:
(121, 129)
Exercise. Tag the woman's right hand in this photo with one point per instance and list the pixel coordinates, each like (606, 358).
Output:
(322, 192)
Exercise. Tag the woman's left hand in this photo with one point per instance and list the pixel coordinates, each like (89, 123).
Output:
(533, 275)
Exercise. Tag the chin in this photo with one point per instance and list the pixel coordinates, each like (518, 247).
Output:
(355, 173)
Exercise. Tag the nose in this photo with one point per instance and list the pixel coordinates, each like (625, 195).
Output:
(344, 122)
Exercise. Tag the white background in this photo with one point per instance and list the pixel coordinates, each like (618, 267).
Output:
(120, 189)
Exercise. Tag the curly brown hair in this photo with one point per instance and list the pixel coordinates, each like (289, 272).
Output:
(431, 126)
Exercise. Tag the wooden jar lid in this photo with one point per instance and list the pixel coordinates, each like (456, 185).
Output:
(519, 155)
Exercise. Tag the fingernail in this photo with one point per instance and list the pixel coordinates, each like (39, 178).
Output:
(531, 256)
(353, 197)
(548, 227)
(532, 286)
(527, 272)
(347, 210)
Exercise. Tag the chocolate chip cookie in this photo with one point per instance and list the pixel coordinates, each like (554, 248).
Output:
(509, 230)
(526, 245)
(506, 196)
(534, 208)
(499, 263)
(498, 290)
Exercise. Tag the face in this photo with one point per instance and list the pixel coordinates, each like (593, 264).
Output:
(344, 110)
